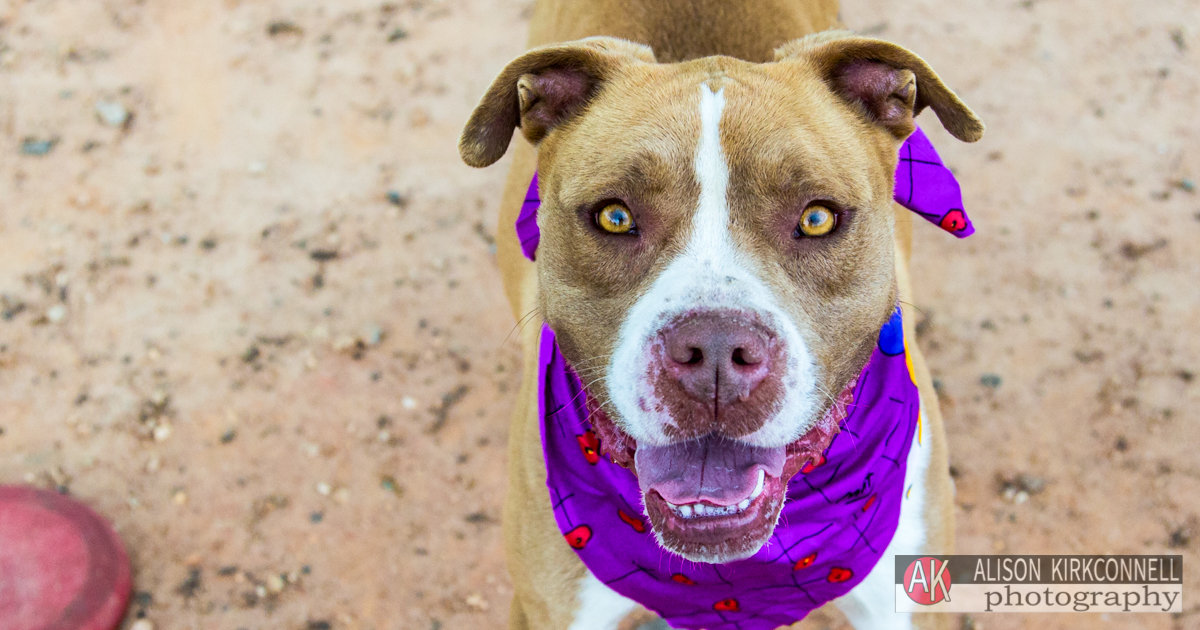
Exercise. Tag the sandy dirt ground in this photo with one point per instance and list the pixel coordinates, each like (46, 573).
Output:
(251, 310)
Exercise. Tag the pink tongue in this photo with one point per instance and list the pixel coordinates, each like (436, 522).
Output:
(713, 469)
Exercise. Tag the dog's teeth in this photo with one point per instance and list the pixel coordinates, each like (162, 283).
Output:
(699, 510)
(758, 488)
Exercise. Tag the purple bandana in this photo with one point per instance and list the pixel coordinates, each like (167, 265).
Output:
(839, 516)
(841, 510)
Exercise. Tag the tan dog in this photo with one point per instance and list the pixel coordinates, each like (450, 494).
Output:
(676, 175)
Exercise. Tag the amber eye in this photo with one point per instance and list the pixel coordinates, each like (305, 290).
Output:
(615, 219)
(817, 221)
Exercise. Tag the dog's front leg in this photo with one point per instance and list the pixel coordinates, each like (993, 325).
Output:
(872, 604)
(922, 530)
(600, 607)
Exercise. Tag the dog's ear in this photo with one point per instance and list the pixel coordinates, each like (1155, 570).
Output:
(889, 84)
(540, 90)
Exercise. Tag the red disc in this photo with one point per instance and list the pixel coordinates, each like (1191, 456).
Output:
(62, 567)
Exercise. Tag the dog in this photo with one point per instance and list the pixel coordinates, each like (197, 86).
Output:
(718, 259)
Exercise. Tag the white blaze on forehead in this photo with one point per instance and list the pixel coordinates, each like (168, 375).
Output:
(710, 228)
(710, 274)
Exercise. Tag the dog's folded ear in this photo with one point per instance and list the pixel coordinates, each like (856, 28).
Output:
(540, 90)
(887, 83)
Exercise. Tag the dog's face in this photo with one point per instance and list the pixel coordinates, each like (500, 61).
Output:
(716, 254)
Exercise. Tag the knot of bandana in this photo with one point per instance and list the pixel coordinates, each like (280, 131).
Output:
(923, 185)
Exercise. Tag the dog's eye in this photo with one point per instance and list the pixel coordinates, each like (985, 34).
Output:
(615, 219)
(816, 221)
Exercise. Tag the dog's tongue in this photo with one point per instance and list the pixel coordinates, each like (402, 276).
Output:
(713, 469)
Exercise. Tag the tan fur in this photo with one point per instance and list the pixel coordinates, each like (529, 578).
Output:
(546, 572)
(832, 46)
(679, 30)
(939, 510)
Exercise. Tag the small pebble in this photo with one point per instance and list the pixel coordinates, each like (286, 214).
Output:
(396, 199)
(1187, 185)
(1031, 483)
(158, 397)
(162, 432)
(112, 113)
(282, 27)
(373, 334)
(275, 583)
(142, 624)
(476, 601)
(56, 313)
(408, 402)
(389, 483)
(38, 146)
(346, 343)
(257, 168)
(990, 380)
(180, 497)
(324, 489)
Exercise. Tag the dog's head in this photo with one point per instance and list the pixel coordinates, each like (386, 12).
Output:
(716, 252)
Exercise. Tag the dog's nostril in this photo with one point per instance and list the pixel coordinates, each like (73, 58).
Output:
(696, 357)
(746, 357)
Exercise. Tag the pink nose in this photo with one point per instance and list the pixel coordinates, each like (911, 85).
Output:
(717, 356)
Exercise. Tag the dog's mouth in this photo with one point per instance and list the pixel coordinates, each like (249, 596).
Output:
(715, 499)
(712, 499)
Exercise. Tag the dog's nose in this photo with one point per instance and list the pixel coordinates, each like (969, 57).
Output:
(717, 356)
